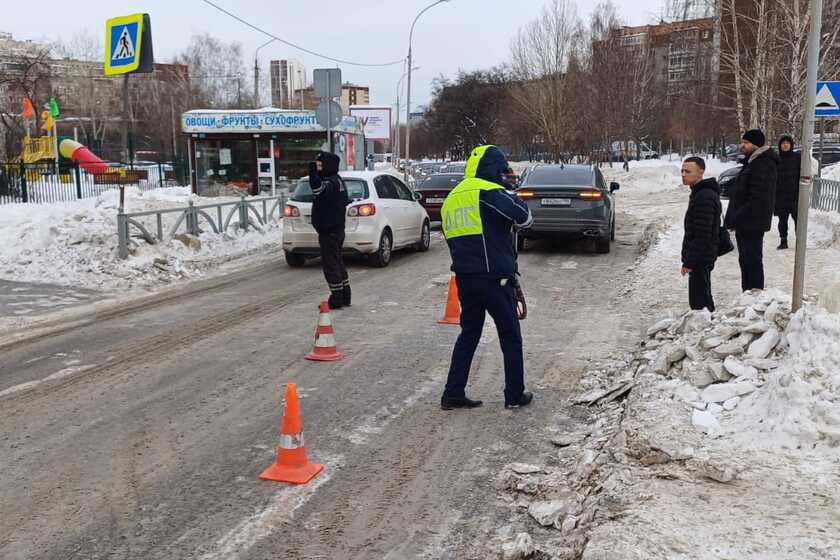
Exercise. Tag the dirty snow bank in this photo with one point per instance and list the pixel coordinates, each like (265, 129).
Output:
(75, 243)
(730, 444)
(754, 373)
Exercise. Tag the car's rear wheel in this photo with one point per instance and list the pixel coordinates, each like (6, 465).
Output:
(602, 244)
(382, 257)
(294, 260)
(425, 238)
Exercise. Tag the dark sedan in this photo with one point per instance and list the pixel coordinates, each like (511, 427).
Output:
(727, 181)
(569, 200)
(433, 191)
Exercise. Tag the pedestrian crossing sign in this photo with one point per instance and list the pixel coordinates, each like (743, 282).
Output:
(828, 99)
(125, 44)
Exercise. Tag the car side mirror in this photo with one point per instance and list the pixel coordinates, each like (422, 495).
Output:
(417, 196)
(614, 187)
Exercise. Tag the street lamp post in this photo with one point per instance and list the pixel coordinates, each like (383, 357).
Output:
(257, 73)
(397, 140)
(408, 92)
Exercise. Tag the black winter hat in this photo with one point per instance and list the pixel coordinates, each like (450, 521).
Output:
(755, 136)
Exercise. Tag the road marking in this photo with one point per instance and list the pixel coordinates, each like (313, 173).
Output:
(60, 374)
(281, 509)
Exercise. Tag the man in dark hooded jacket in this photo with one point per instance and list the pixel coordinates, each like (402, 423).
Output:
(702, 232)
(787, 188)
(478, 219)
(328, 214)
(750, 211)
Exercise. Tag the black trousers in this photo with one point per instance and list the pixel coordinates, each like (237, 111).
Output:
(700, 288)
(479, 296)
(783, 223)
(334, 270)
(751, 258)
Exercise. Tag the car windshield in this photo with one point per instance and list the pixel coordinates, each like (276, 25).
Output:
(441, 182)
(357, 189)
(559, 175)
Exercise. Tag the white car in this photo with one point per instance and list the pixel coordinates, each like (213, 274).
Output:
(383, 215)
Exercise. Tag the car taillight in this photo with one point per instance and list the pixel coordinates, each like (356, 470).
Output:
(362, 210)
(291, 211)
(592, 195)
(524, 194)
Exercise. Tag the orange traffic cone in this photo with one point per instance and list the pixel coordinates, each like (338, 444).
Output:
(291, 464)
(325, 350)
(452, 315)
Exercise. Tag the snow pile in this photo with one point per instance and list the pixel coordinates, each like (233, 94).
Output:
(831, 172)
(823, 229)
(657, 175)
(75, 243)
(753, 373)
(799, 406)
(644, 178)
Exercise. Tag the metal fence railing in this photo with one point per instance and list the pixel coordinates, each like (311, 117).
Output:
(255, 212)
(825, 195)
(41, 183)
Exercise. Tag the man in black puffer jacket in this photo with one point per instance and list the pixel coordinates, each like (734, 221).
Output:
(787, 188)
(702, 231)
(328, 213)
(750, 212)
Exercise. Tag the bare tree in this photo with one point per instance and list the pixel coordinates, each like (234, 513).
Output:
(82, 45)
(792, 37)
(217, 71)
(541, 53)
(26, 75)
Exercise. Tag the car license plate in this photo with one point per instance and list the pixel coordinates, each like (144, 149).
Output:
(557, 202)
(434, 200)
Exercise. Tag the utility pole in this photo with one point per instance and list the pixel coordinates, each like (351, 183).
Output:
(408, 107)
(805, 171)
(256, 83)
(174, 127)
(125, 118)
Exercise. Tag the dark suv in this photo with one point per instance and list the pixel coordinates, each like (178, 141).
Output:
(569, 200)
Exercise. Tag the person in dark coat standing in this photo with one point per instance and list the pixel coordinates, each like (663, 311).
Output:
(702, 231)
(787, 188)
(328, 215)
(750, 211)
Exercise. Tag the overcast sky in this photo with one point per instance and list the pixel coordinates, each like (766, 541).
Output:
(460, 34)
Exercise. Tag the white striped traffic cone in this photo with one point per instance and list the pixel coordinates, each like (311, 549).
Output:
(325, 349)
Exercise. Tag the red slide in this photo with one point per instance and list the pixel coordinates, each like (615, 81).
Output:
(77, 152)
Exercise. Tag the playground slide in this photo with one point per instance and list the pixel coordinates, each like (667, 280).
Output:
(77, 152)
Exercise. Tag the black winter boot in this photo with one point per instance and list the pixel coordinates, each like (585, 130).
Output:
(783, 244)
(336, 300)
(346, 296)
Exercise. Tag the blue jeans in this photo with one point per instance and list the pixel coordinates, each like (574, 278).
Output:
(479, 295)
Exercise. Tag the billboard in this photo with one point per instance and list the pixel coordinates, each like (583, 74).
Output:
(376, 121)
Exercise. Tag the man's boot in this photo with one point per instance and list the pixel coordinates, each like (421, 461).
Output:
(783, 244)
(346, 296)
(336, 300)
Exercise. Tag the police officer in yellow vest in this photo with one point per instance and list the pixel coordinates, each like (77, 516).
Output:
(478, 220)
